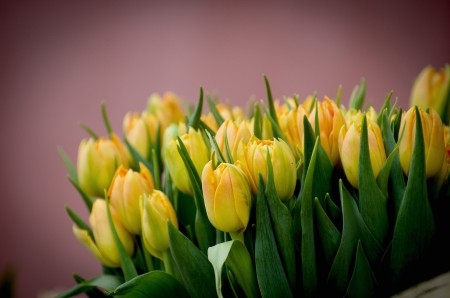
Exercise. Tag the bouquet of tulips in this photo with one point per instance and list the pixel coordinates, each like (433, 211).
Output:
(297, 198)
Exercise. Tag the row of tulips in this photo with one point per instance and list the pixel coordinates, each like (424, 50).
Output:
(316, 198)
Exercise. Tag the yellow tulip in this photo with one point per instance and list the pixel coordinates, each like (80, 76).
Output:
(209, 120)
(138, 128)
(103, 245)
(167, 109)
(330, 122)
(227, 195)
(253, 158)
(195, 146)
(125, 190)
(356, 116)
(235, 133)
(291, 125)
(349, 144)
(431, 90)
(156, 210)
(97, 162)
(433, 137)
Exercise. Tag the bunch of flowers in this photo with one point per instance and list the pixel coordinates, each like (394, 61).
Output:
(297, 199)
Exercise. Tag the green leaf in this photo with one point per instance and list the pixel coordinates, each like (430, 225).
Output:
(257, 122)
(357, 101)
(282, 226)
(338, 96)
(396, 180)
(129, 271)
(235, 255)
(107, 282)
(383, 176)
(79, 222)
(308, 249)
(69, 165)
(106, 120)
(414, 227)
(328, 234)
(151, 284)
(204, 231)
(213, 110)
(195, 118)
(216, 149)
(156, 170)
(273, 112)
(88, 130)
(353, 229)
(227, 149)
(269, 269)
(275, 126)
(372, 203)
(363, 282)
(333, 212)
(386, 106)
(89, 201)
(196, 271)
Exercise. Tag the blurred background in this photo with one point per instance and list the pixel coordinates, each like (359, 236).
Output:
(60, 60)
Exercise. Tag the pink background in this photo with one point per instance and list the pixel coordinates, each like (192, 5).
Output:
(58, 61)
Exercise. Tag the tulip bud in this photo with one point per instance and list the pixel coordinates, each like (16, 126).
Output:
(156, 210)
(228, 199)
(433, 137)
(167, 109)
(291, 125)
(138, 129)
(125, 190)
(349, 145)
(235, 133)
(210, 121)
(431, 90)
(253, 157)
(104, 247)
(330, 122)
(356, 116)
(96, 164)
(195, 146)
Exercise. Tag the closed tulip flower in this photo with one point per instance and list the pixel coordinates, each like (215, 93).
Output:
(431, 90)
(103, 245)
(167, 109)
(156, 210)
(291, 125)
(97, 163)
(138, 129)
(349, 144)
(195, 146)
(235, 133)
(253, 157)
(330, 122)
(228, 199)
(433, 137)
(125, 190)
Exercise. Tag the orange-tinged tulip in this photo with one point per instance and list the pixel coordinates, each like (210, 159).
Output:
(356, 116)
(156, 210)
(431, 90)
(125, 190)
(227, 195)
(433, 137)
(235, 133)
(97, 163)
(138, 129)
(349, 144)
(195, 146)
(330, 122)
(167, 109)
(291, 125)
(103, 245)
(253, 158)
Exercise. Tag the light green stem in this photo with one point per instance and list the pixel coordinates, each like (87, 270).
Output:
(168, 262)
(147, 256)
(237, 236)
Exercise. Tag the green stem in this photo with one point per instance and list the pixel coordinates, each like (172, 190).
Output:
(147, 256)
(237, 236)
(168, 261)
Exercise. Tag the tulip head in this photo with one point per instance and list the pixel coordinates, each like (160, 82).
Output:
(97, 163)
(349, 150)
(167, 109)
(227, 195)
(330, 122)
(125, 190)
(433, 137)
(138, 129)
(291, 125)
(195, 146)
(235, 133)
(156, 211)
(103, 245)
(431, 90)
(253, 157)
